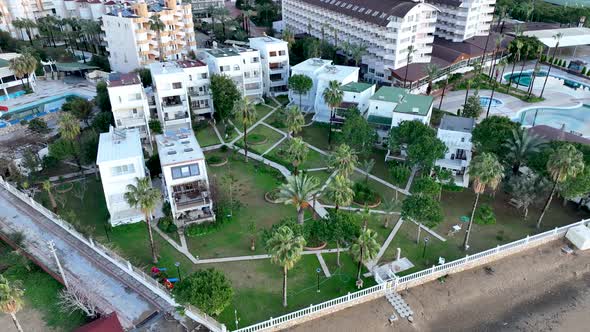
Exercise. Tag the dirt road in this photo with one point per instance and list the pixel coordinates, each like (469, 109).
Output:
(539, 290)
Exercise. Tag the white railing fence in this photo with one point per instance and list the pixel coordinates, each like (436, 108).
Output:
(415, 278)
(114, 258)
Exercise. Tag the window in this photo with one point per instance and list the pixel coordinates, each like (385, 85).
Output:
(177, 85)
(190, 77)
(122, 170)
(224, 68)
(273, 53)
(204, 75)
(282, 53)
(180, 172)
(236, 67)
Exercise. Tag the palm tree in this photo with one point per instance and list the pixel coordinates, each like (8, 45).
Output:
(156, 24)
(69, 129)
(333, 95)
(29, 63)
(91, 29)
(297, 152)
(289, 37)
(502, 64)
(294, 120)
(344, 159)
(19, 25)
(520, 145)
(223, 14)
(486, 171)
(389, 207)
(442, 96)
(300, 84)
(525, 55)
(468, 83)
(299, 191)
(518, 45)
(48, 189)
(357, 53)
(285, 250)
(564, 163)
(340, 191)
(246, 112)
(411, 51)
(498, 43)
(536, 69)
(367, 166)
(365, 249)
(432, 70)
(18, 67)
(143, 197)
(11, 299)
(557, 38)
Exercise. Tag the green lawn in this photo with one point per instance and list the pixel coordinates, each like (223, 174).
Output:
(269, 135)
(227, 132)
(316, 134)
(40, 291)
(206, 136)
(277, 120)
(283, 99)
(382, 168)
(261, 111)
(322, 176)
(314, 159)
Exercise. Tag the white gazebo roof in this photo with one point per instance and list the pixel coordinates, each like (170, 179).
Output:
(570, 36)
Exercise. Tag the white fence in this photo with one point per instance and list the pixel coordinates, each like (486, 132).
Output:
(119, 261)
(413, 279)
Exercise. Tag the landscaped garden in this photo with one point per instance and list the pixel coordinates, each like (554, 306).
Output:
(260, 139)
(205, 134)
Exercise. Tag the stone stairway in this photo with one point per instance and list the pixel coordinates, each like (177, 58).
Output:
(402, 308)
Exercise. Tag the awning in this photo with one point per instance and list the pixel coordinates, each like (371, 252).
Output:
(570, 36)
(73, 66)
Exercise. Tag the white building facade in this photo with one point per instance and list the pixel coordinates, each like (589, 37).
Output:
(242, 65)
(10, 85)
(386, 28)
(129, 103)
(82, 9)
(201, 7)
(170, 93)
(455, 132)
(460, 20)
(274, 56)
(120, 161)
(184, 177)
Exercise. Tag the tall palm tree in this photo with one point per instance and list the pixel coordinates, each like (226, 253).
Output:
(289, 37)
(340, 191)
(557, 38)
(498, 43)
(432, 70)
(69, 129)
(223, 15)
(365, 249)
(294, 120)
(536, 69)
(344, 159)
(357, 53)
(525, 54)
(486, 171)
(502, 64)
(300, 84)
(29, 63)
(564, 163)
(91, 29)
(390, 206)
(297, 152)
(19, 25)
(411, 51)
(333, 96)
(299, 191)
(285, 250)
(246, 112)
(516, 56)
(18, 67)
(520, 145)
(156, 24)
(143, 197)
(11, 299)
(442, 96)
(48, 189)
(468, 83)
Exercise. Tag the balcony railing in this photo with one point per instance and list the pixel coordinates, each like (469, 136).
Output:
(175, 116)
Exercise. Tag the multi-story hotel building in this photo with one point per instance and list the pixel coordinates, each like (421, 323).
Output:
(12, 10)
(132, 44)
(82, 9)
(129, 103)
(274, 56)
(459, 20)
(242, 65)
(201, 7)
(386, 28)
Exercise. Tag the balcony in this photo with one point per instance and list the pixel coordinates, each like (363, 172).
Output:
(168, 116)
(191, 195)
(196, 93)
(130, 122)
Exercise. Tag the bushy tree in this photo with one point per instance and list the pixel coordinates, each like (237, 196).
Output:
(472, 109)
(576, 187)
(491, 133)
(39, 126)
(358, 133)
(145, 76)
(425, 153)
(422, 209)
(155, 126)
(208, 290)
(485, 215)
(102, 121)
(102, 97)
(425, 185)
(225, 93)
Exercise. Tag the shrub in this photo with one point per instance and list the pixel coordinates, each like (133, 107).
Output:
(316, 232)
(214, 159)
(363, 194)
(39, 126)
(208, 290)
(223, 148)
(583, 71)
(550, 60)
(222, 217)
(289, 222)
(400, 173)
(543, 58)
(167, 209)
(167, 225)
(155, 126)
(484, 215)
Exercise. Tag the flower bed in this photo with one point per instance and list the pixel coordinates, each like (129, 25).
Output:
(257, 139)
(272, 196)
(63, 188)
(216, 161)
(364, 195)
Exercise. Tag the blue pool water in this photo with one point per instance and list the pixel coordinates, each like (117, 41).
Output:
(35, 109)
(575, 120)
(12, 95)
(485, 101)
(525, 78)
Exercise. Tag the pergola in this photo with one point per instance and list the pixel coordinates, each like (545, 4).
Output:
(570, 37)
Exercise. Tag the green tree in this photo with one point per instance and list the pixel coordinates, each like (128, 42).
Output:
(102, 99)
(102, 121)
(485, 215)
(486, 171)
(145, 76)
(433, 71)
(576, 187)
(208, 290)
(156, 24)
(365, 249)
(410, 50)
(69, 129)
(333, 95)
(564, 163)
(425, 185)
(145, 198)
(82, 109)
(246, 113)
(300, 84)
(521, 145)
(526, 189)
(472, 109)
(491, 133)
(155, 126)
(425, 153)
(294, 120)
(408, 133)
(390, 206)
(344, 160)
(358, 133)
(422, 209)
(285, 250)
(224, 93)
(299, 191)
(11, 299)
(343, 228)
(340, 191)
(48, 188)
(297, 152)
(39, 126)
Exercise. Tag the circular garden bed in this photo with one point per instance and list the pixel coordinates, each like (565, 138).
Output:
(216, 161)
(272, 196)
(319, 247)
(363, 195)
(256, 139)
(63, 188)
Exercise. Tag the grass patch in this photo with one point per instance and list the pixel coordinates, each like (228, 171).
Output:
(283, 99)
(258, 133)
(316, 134)
(227, 131)
(314, 159)
(206, 135)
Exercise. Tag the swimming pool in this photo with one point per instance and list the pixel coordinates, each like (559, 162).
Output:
(525, 78)
(35, 109)
(574, 119)
(12, 95)
(485, 101)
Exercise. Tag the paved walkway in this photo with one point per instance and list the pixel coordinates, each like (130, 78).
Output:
(323, 265)
(370, 265)
(433, 233)
(262, 256)
(52, 88)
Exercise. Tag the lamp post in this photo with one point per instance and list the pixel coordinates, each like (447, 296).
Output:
(425, 244)
(318, 271)
(177, 264)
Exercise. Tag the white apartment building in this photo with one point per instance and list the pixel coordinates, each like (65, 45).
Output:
(201, 7)
(129, 103)
(389, 106)
(170, 93)
(321, 73)
(274, 57)
(184, 177)
(242, 65)
(23, 9)
(132, 44)
(357, 95)
(455, 132)
(120, 161)
(82, 9)
(459, 20)
(10, 85)
(386, 28)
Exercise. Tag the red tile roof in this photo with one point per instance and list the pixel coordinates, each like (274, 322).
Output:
(108, 323)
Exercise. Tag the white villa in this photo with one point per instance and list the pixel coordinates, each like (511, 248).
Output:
(274, 56)
(120, 161)
(184, 177)
(10, 85)
(129, 103)
(321, 73)
(357, 94)
(389, 106)
(170, 93)
(455, 132)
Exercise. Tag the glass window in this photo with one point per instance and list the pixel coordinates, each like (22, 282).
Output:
(180, 172)
(122, 170)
